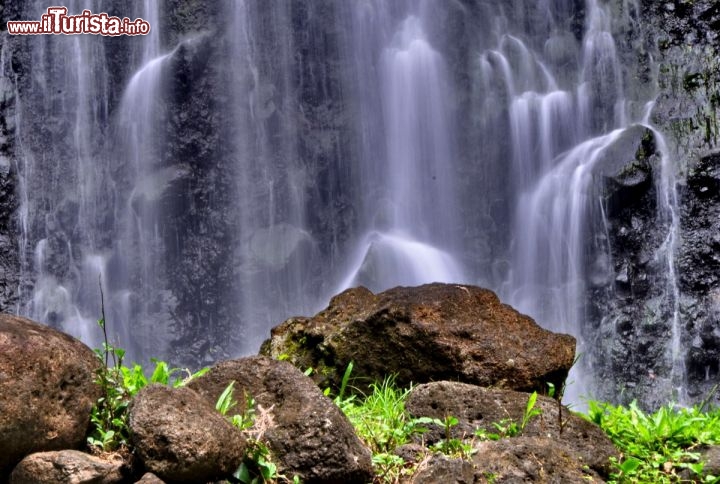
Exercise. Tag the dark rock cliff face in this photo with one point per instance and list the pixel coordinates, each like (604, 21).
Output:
(8, 200)
(669, 50)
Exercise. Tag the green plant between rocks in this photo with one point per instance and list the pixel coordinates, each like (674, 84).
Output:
(661, 447)
(110, 429)
(257, 466)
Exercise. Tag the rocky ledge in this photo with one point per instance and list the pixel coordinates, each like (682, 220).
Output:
(433, 332)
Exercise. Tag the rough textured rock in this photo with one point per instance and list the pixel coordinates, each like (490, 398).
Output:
(9, 263)
(150, 478)
(47, 390)
(477, 407)
(669, 50)
(67, 467)
(630, 302)
(308, 434)
(440, 469)
(711, 457)
(626, 167)
(180, 437)
(699, 265)
(431, 332)
(529, 459)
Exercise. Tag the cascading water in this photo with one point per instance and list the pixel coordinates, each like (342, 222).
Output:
(413, 215)
(57, 215)
(223, 175)
(559, 210)
(275, 250)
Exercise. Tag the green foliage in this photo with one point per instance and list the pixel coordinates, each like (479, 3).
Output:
(658, 447)
(109, 416)
(530, 411)
(450, 446)
(390, 467)
(380, 418)
(257, 466)
(381, 422)
(506, 428)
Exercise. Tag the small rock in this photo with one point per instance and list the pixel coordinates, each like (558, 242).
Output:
(529, 459)
(441, 469)
(150, 478)
(480, 408)
(711, 457)
(67, 467)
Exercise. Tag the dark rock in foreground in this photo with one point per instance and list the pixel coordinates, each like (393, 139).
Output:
(529, 459)
(67, 466)
(46, 390)
(307, 433)
(477, 407)
(432, 332)
(181, 438)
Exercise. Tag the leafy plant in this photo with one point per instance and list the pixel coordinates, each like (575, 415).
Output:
(506, 427)
(257, 466)
(109, 416)
(530, 411)
(389, 467)
(657, 447)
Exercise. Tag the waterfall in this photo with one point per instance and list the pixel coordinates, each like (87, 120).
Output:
(558, 138)
(57, 215)
(248, 159)
(275, 250)
(412, 218)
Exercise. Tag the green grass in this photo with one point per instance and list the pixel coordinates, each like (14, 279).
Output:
(656, 448)
(381, 422)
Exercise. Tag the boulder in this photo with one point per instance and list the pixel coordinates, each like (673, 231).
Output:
(480, 408)
(67, 467)
(306, 432)
(529, 459)
(440, 469)
(180, 437)
(421, 334)
(710, 455)
(47, 390)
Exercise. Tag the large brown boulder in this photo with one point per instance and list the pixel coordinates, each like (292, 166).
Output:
(306, 432)
(427, 333)
(47, 390)
(67, 467)
(180, 437)
(480, 408)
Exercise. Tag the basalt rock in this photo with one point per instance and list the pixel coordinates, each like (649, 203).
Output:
(307, 434)
(699, 268)
(68, 467)
(426, 333)
(47, 390)
(529, 459)
(481, 408)
(180, 437)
